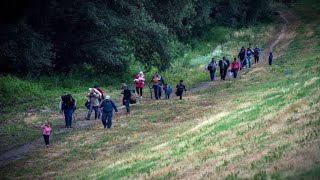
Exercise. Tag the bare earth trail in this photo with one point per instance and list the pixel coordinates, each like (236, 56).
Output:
(281, 42)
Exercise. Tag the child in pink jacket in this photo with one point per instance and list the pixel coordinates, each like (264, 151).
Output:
(46, 132)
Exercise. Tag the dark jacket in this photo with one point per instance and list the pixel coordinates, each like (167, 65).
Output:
(226, 65)
(126, 93)
(242, 54)
(108, 106)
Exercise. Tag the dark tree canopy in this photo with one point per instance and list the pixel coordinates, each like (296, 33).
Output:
(56, 36)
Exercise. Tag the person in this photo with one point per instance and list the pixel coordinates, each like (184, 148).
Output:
(212, 66)
(139, 82)
(46, 132)
(167, 90)
(94, 97)
(157, 81)
(107, 106)
(100, 99)
(180, 88)
(67, 107)
(270, 58)
(224, 65)
(126, 97)
(249, 53)
(256, 54)
(241, 56)
(235, 67)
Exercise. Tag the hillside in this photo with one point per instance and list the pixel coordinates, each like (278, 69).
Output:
(263, 125)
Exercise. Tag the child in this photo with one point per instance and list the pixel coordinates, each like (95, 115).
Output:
(270, 58)
(46, 132)
(180, 87)
(167, 90)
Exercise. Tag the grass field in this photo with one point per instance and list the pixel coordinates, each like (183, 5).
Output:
(265, 125)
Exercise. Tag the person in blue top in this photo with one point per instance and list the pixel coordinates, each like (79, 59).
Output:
(249, 53)
(107, 106)
(126, 97)
(167, 90)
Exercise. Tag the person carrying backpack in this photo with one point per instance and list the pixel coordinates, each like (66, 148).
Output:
(126, 97)
(241, 56)
(212, 66)
(180, 88)
(249, 53)
(107, 106)
(100, 99)
(256, 54)
(157, 81)
(67, 107)
(94, 97)
(224, 65)
(235, 67)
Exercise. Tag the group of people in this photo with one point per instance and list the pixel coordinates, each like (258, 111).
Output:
(245, 62)
(103, 106)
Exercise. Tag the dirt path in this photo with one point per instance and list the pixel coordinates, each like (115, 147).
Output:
(281, 42)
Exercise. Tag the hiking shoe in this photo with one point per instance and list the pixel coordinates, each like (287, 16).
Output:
(47, 146)
(87, 119)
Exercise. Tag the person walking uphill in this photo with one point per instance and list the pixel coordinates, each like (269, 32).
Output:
(270, 58)
(46, 132)
(212, 66)
(241, 56)
(180, 88)
(126, 97)
(67, 107)
(139, 82)
(157, 81)
(256, 54)
(107, 106)
(249, 53)
(94, 96)
(235, 67)
(224, 65)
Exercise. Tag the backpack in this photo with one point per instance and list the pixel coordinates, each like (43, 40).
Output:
(249, 53)
(180, 88)
(67, 102)
(224, 64)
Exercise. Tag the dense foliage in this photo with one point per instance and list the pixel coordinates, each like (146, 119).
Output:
(107, 36)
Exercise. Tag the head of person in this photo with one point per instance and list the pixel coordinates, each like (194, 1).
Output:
(256, 46)
(124, 86)
(224, 58)
(49, 124)
(107, 97)
(213, 59)
(249, 44)
(270, 53)
(234, 59)
(141, 73)
(96, 86)
(181, 81)
(242, 48)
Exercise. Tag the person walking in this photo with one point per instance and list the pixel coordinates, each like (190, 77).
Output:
(67, 107)
(94, 95)
(100, 99)
(46, 132)
(180, 88)
(212, 66)
(139, 82)
(249, 53)
(270, 58)
(241, 56)
(224, 65)
(235, 67)
(126, 97)
(256, 54)
(107, 106)
(157, 81)
(167, 90)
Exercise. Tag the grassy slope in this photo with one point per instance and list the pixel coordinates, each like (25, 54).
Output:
(266, 124)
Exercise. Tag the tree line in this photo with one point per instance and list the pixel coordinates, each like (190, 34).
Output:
(60, 36)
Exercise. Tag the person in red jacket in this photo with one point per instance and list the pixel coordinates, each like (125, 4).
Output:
(235, 67)
(139, 82)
